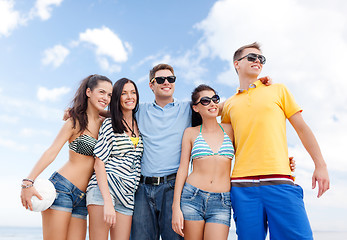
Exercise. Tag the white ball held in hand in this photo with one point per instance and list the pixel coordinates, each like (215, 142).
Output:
(47, 191)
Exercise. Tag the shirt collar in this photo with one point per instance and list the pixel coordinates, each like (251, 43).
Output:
(171, 104)
(252, 85)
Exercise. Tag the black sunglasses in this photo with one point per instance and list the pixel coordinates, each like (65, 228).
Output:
(161, 80)
(252, 57)
(207, 100)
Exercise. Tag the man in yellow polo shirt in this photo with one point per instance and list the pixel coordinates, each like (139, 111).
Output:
(263, 191)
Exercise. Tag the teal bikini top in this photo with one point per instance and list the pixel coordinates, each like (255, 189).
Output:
(202, 149)
(83, 144)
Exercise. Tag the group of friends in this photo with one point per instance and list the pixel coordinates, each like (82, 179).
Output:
(148, 170)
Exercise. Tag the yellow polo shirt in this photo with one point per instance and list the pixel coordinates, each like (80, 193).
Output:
(258, 117)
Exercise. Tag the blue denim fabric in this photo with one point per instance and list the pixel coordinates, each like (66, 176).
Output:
(69, 198)
(198, 205)
(153, 212)
(94, 197)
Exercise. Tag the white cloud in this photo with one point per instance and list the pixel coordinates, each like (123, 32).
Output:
(30, 132)
(43, 8)
(54, 94)
(109, 48)
(8, 119)
(9, 18)
(55, 55)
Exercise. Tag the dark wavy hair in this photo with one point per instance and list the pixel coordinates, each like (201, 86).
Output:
(79, 103)
(116, 107)
(196, 118)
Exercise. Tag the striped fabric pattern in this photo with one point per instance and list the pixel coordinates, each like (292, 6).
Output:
(83, 144)
(122, 163)
(201, 148)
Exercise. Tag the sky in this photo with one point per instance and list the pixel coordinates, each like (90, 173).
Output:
(48, 46)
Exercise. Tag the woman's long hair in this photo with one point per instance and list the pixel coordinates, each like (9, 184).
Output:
(116, 107)
(79, 104)
(196, 118)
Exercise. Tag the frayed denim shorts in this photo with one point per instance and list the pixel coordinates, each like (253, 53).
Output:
(94, 197)
(69, 198)
(199, 205)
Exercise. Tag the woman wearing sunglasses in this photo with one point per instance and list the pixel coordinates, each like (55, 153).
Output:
(202, 200)
(67, 217)
(118, 152)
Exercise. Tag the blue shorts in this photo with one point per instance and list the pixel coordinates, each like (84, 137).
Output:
(94, 197)
(69, 198)
(269, 204)
(199, 205)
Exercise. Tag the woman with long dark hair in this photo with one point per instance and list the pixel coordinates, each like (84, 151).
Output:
(111, 190)
(66, 218)
(202, 200)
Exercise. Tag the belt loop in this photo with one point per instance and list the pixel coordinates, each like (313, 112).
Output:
(165, 179)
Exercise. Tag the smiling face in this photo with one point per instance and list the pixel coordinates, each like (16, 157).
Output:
(211, 110)
(128, 97)
(247, 68)
(100, 96)
(164, 90)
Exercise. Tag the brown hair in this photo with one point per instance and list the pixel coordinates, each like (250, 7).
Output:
(156, 68)
(80, 101)
(238, 53)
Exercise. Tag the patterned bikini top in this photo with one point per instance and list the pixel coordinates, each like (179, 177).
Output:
(83, 144)
(201, 148)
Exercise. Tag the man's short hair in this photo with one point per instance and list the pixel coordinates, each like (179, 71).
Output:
(238, 53)
(156, 68)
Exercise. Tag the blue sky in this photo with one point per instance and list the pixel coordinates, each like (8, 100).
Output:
(48, 46)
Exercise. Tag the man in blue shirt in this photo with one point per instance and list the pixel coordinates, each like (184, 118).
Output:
(162, 124)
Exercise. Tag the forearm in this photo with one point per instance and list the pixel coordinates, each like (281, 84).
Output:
(311, 145)
(180, 181)
(101, 177)
(46, 159)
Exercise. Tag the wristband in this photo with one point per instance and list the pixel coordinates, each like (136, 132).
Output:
(26, 186)
(29, 180)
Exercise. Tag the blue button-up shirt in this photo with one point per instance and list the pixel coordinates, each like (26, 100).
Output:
(162, 130)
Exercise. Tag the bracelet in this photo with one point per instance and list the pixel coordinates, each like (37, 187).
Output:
(27, 179)
(26, 186)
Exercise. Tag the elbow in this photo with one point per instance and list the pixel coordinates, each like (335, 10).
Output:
(98, 163)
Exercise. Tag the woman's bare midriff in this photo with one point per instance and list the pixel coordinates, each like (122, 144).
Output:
(211, 173)
(78, 169)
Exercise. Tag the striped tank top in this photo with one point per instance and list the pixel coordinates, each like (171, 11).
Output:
(201, 148)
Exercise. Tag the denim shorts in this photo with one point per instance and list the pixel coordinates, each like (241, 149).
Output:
(94, 197)
(69, 198)
(198, 205)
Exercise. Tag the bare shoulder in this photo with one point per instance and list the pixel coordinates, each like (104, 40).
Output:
(226, 126)
(191, 132)
(69, 127)
(228, 129)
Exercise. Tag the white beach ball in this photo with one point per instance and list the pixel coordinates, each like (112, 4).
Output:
(47, 191)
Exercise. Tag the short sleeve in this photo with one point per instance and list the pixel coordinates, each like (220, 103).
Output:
(103, 147)
(225, 116)
(289, 106)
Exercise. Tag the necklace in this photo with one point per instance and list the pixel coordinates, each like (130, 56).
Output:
(131, 130)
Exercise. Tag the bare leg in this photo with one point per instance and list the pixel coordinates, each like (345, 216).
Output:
(55, 224)
(77, 229)
(216, 231)
(193, 230)
(98, 229)
(123, 226)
